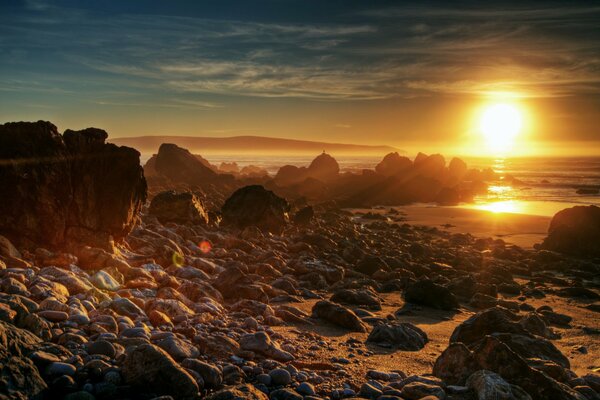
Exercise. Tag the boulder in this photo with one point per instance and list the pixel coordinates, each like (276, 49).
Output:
(150, 369)
(180, 166)
(393, 164)
(487, 322)
(338, 315)
(399, 335)
(70, 189)
(358, 297)
(427, 293)
(575, 231)
(457, 169)
(255, 206)
(489, 385)
(246, 392)
(180, 208)
(261, 343)
(324, 168)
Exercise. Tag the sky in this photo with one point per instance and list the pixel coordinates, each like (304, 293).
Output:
(406, 74)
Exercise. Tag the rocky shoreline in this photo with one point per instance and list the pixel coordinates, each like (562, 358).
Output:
(261, 299)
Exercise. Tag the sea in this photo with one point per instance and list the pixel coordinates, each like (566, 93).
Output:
(547, 184)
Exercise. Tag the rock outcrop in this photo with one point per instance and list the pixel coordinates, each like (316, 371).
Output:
(74, 188)
(393, 164)
(180, 166)
(255, 206)
(180, 208)
(575, 231)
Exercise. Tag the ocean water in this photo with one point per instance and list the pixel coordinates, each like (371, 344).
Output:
(548, 184)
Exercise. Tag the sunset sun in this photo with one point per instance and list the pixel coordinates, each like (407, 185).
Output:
(500, 124)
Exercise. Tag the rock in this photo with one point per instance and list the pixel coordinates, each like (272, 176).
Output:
(180, 166)
(455, 364)
(150, 369)
(180, 208)
(256, 206)
(304, 216)
(489, 385)
(393, 164)
(487, 322)
(60, 368)
(285, 394)
(338, 315)
(261, 343)
(19, 378)
(359, 297)
(400, 335)
(457, 169)
(419, 390)
(306, 389)
(178, 348)
(54, 316)
(369, 391)
(210, 374)
(79, 189)
(575, 231)
(370, 264)
(280, 377)
(103, 280)
(102, 347)
(324, 168)
(240, 392)
(428, 293)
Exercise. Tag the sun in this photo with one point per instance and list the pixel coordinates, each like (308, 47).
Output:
(500, 124)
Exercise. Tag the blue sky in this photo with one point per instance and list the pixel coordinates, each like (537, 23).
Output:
(341, 70)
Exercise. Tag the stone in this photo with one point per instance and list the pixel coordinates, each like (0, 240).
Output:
(261, 343)
(427, 293)
(359, 297)
(280, 377)
(181, 208)
(304, 216)
(393, 164)
(178, 348)
(102, 347)
(368, 265)
(79, 190)
(255, 206)
(306, 389)
(486, 322)
(575, 231)
(338, 315)
(489, 385)
(211, 375)
(419, 390)
(54, 316)
(150, 369)
(103, 280)
(178, 165)
(285, 394)
(60, 368)
(240, 392)
(400, 335)
(370, 391)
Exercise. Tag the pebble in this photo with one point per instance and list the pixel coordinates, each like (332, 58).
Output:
(102, 347)
(280, 377)
(60, 368)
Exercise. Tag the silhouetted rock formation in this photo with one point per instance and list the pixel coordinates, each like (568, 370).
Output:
(66, 189)
(256, 206)
(181, 208)
(324, 168)
(575, 231)
(230, 168)
(181, 166)
(393, 164)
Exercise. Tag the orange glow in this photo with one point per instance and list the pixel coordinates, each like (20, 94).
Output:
(501, 124)
(205, 246)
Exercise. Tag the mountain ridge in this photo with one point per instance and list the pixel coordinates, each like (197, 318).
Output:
(248, 143)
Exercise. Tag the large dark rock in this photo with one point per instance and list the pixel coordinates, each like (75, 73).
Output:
(428, 293)
(180, 166)
(338, 315)
(151, 370)
(399, 335)
(485, 323)
(393, 164)
(324, 168)
(181, 208)
(256, 206)
(60, 190)
(575, 231)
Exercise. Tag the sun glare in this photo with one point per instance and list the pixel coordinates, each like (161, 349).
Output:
(500, 124)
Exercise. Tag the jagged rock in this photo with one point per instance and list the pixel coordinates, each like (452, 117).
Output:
(256, 206)
(151, 370)
(180, 166)
(359, 297)
(68, 189)
(261, 343)
(489, 385)
(338, 315)
(402, 335)
(211, 375)
(428, 293)
(575, 231)
(180, 208)
(393, 164)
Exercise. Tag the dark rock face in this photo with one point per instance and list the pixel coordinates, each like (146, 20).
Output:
(67, 189)
(304, 216)
(256, 206)
(324, 168)
(428, 293)
(575, 231)
(152, 370)
(486, 322)
(403, 336)
(393, 164)
(180, 166)
(180, 208)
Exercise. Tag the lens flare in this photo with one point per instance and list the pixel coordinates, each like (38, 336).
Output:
(178, 258)
(205, 246)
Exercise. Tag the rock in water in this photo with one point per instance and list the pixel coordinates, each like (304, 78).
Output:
(152, 370)
(67, 189)
(255, 206)
(180, 208)
(180, 166)
(403, 336)
(575, 231)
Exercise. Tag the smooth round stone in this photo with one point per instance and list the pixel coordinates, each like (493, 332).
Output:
(306, 389)
(264, 379)
(60, 368)
(80, 319)
(280, 377)
(103, 280)
(369, 391)
(101, 347)
(113, 377)
(54, 316)
(63, 382)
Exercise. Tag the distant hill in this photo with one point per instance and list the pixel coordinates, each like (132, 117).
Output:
(248, 144)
